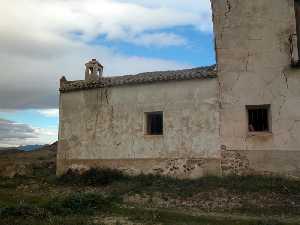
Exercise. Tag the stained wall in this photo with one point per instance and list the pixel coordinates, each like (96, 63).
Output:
(109, 124)
(254, 68)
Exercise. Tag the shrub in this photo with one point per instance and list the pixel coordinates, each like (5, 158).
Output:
(23, 210)
(79, 203)
(75, 204)
(71, 176)
(102, 177)
(93, 177)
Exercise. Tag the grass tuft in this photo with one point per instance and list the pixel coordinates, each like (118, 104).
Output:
(242, 184)
(79, 203)
(23, 210)
(93, 177)
(75, 204)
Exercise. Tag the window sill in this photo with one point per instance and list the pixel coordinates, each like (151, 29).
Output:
(153, 135)
(260, 134)
(295, 64)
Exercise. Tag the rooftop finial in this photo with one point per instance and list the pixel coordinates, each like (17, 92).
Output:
(93, 70)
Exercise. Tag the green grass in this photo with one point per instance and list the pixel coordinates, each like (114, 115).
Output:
(77, 199)
(79, 208)
(174, 218)
(241, 184)
(93, 177)
(53, 220)
(72, 209)
(80, 203)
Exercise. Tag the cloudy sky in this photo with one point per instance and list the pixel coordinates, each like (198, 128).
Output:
(41, 40)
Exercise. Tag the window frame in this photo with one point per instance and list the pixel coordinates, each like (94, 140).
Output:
(297, 22)
(269, 118)
(147, 130)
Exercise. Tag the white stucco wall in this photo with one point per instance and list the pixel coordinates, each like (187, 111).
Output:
(109, 123)
(253, 52)
(203, 119)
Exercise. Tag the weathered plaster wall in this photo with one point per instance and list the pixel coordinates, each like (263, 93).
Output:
(254, 162)
(108, 124)
(205, 121)
(253, 54)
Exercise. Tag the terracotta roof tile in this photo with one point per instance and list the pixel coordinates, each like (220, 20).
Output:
(142, 78)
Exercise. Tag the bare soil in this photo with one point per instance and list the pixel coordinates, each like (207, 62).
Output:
(29, 189)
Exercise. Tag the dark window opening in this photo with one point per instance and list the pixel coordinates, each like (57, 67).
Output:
(297, 15)
(154, 122)
(258, 118)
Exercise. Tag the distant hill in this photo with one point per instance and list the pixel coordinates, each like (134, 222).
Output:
(14, 161)
(4, 151)
(27, 148)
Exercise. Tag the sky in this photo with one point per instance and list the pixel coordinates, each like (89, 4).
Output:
(42, 40)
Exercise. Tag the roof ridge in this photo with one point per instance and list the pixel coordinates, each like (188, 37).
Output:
(165, 71)
(206, 72)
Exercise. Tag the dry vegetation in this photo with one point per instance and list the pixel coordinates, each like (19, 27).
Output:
(33, 195)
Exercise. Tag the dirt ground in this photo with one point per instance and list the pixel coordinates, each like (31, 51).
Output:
(29, 189)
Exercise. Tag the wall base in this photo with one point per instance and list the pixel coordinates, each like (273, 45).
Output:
(232, 162)
(180, 168)
(250, 162)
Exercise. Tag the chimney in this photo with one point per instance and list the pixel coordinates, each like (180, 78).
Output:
(62, 81)
(93, 70)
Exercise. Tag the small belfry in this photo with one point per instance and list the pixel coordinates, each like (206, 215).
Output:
(93, 70)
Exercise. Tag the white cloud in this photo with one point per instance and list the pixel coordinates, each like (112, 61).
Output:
(14, 134)
(51, 21)
(49, 112)
(31, 82)
(44, 136)
(41, 40)
(10, 130)
(200, 9)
